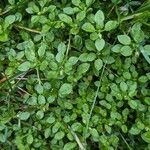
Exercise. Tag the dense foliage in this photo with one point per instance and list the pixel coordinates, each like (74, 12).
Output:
(74, 74)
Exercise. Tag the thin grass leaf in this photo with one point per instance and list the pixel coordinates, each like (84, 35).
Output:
(77, 139)
(94, 101)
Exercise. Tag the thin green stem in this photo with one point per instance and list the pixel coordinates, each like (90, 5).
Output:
(68, 47)
(147, 24)
(118, 14)
(94, 101)
(125, 142)
(27, 29)
(77, 139)
(110, 11)
(130, 17)
(4, 12)
(23, 90)
(38, 76)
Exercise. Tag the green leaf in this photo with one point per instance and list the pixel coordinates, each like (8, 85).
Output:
(77, 41)
(41, 50)
(62, 47)
(126, 51)
(76, 2)
(94, 134)
(65, 89)
(51, 99)
(73, 60)
(43, 65)
(47, 133)
(143, 79)
(124, 39)
(29, 10)
(74, 30)
(56, 127)
(2, 138)
(70, 146)
(94, 36)
(61, 50)
(146, 137)
(12, 2)
(91, 57)
(41, 100)
(124, 128)
(10, 19)
(29, 50)
(88, 27)
(30, 139)
(111, 25)
(60, 57)
(134, 131)
(116, 48)
(89, 44)
(140, 125)
(108, 128)
(30, 54)
(147, 49)
(1, 29)
(4, 37)
(81, 15)
(137, 33)
(147, 100)
(133, 104)
(68, 105)
(109, 60)
(99, 44)
(50, 120)
(40, 114)
(98, 64)
(83, 57)
(145, 54)
(87, 57)
(65, 18)
(68, 10)
(83, 68)
(99, 18)
(76, 126)
(123, 86)
(24, 115)
(59, 135)
(19, 143)
(127, 75)
(39, 88)
(24, 66)
(52, 74)
(89, 2)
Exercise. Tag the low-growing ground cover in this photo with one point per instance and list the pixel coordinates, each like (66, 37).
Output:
(74, 74)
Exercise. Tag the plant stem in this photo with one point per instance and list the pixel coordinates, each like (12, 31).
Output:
(94, 102)
(68, 47)
(125, 142)
(38, 76)
(27, 29)
(76, 138)
(130, 17)
(4, 12)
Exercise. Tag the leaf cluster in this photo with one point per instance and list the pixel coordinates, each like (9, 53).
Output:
(74, 74)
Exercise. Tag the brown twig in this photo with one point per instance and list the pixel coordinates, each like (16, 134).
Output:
(3, 80)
